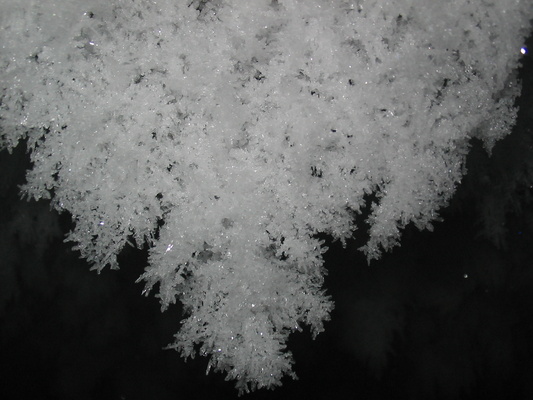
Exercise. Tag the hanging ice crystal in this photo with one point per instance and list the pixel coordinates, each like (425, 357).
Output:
(239, 130)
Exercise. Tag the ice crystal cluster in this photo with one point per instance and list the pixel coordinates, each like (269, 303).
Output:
(226, 134)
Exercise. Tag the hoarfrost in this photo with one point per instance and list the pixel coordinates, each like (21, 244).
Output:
(227, 134)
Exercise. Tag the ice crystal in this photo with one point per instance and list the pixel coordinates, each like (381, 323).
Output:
(227, 134)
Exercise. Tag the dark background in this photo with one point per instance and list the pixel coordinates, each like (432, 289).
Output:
(448, 315)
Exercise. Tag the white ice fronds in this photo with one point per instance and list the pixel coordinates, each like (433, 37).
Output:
(227, 134)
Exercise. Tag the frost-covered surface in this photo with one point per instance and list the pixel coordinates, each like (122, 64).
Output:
(227, 134)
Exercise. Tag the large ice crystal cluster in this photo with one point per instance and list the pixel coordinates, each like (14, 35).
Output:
(226, 134)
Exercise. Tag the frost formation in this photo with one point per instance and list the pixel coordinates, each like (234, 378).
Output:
(226, 134)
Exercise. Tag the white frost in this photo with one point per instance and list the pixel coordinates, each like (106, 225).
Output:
(248, 128)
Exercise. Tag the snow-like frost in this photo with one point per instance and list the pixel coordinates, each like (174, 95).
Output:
(227, 134)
